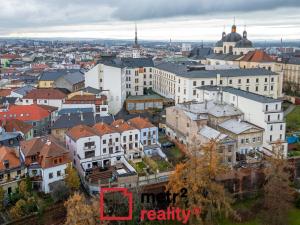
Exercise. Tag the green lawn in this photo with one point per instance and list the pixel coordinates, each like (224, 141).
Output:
(140, 167)
(163, 165)
(293, 120)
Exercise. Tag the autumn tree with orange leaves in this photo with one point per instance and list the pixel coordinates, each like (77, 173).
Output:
(199, 176)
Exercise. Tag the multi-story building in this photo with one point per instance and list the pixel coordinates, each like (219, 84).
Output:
(127, 76)
(291, 74)
(46, 161)
(12, 169)
(178, 81)
(264, 112)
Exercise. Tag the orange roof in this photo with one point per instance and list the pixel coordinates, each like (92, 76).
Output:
(103, 128)
(25, 113)
(81, 131)
(17, 125)
(85, 98)
(45, 93)
(257, 56)
(9, 56)
(140, 123)
(5, 92)
(121, 125)
(9, 154)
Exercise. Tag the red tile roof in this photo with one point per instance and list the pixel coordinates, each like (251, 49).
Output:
(122, 126)
(45, 93)
(25, 113)
(81, 131)
(9, 154)
(140, 123)
(9, 56)
(257, 56)
(48, 151)
(17, 125)
(104, 128)
(5, 92)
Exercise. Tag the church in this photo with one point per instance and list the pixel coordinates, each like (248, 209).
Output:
(233, 43)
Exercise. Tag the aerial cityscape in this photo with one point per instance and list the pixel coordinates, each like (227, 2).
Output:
(150, 112)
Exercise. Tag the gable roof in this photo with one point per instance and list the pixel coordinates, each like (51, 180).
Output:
(81, 131)
(45, 93)
(25, 113)
(257, 56)
(51, 75)
(17, 125)
(74, 78)
(103, 128)
(140, 123)
(9, 154)
(23, 90)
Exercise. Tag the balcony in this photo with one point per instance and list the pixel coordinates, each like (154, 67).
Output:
(93, 147)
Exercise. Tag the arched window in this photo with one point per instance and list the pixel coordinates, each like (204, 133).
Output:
(230, 49)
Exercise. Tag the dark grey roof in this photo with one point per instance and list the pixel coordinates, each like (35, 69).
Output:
(232, 37)
(294, 60)
(239, 92)
(74, 110)
(91, 90)
(10, 100)
(244, 43)
(74, 78)
(137, 62)
(24, 90)
(129, 62)
(200, 52)
(182, 70)
(54, 75)
(73, 119)
(226, 57)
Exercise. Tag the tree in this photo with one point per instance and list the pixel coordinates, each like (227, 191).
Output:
(72, 179)
(60, 192)
(2, 196)
(78, 211)
(278, 194)
(199, 176)
(23, 189)
(17, 211)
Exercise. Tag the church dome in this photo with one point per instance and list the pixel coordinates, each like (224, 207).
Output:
(232, 37)
(244, 43)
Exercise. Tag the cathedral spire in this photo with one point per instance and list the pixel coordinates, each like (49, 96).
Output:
(136, 38)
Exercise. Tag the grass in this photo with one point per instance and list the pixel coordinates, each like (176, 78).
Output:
(139, 166)
(174, 155)
(294, 217)
(293, 153)
(293, 120)
(163, 165)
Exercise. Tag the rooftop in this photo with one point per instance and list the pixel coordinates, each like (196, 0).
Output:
(237, 127)
(183, 71)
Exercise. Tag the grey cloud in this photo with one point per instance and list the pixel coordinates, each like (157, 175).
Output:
(43, 13)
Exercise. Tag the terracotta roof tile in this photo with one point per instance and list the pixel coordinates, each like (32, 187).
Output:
(17, 125)
(140, 123)
(9, 154)
(81, 131)
(122, 126)
(103, 128)
(45, 93)
(25, 113)
(257, 56)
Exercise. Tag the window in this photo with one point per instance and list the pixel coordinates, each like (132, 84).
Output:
(257, 80)
(256, 88)
(194, 83)
(271, 87)
(194, 92)
(50, 175)
(247, 88)
(124, 138)
(265, 88)
(269, 117)
(230, 81)
(104, 150)
(271, 138)
(280, 136)
(278, 116)
(202, 82)
(221, 82)
(281, 126)
(266, 79)
(248, 80)
(242, 141)
(144, 134)
(136, 136)
(272, 79)
(211, 82)
(253, 140)
(117, 139)
(239, 81)
(89, 144)
(271, 127)
(104, 141)
(267, 108)
(58, 173)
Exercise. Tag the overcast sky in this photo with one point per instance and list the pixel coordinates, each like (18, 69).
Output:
(157, 19)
